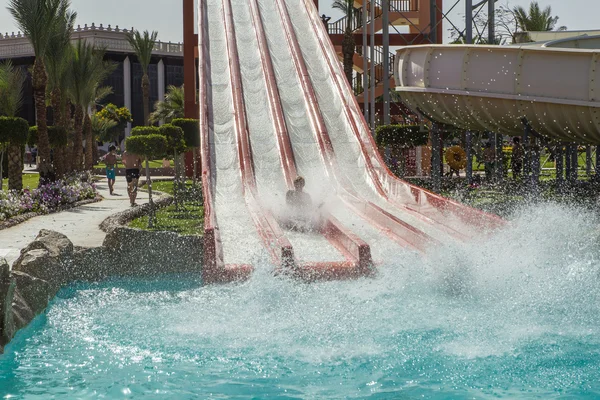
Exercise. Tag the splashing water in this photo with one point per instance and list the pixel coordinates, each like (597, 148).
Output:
(514, 316)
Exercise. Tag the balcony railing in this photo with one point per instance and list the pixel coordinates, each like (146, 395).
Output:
(114, 39)
(379, 71)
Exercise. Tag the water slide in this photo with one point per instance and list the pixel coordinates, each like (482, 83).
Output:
(554, 86)
(274, 104)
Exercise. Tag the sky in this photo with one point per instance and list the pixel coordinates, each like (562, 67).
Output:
(164, 16)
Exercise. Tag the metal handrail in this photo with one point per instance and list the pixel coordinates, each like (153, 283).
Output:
(339, 26)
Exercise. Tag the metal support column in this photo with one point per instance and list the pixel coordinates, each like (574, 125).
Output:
(559, 156)
(365, 19)
(597, 163)
(469, 22)
(499, 158)
(568, 163)
(535, 165)
(433, 20)
(436, 158)
(491, 21)
(386, 61)
(574, 163)
(588, 161)
(469, 151)
(372, 70)
(526, 149)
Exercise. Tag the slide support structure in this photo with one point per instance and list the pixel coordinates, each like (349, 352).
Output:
(560, 165)
(469, 151)
(436, 157)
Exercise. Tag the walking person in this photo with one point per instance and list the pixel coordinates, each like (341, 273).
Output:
(516, 161)
(111, 159)
(132, 164)
(34, 153)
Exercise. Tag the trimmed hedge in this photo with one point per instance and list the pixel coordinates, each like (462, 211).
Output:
(145, 130)
(150, 146)
(174, 135)
(401, 135)
(57, 135)
(13, 130)
(191, 130)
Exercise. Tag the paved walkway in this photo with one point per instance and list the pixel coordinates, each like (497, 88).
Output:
(80, 224)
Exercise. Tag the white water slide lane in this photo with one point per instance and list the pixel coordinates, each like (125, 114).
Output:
(274, 103)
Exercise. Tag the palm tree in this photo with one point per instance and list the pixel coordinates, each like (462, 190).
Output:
(348, 44)
(39, 20)
(142, 45)
(536, 19)
(11, 99)
(91, 148)
(171, 107)
(11, 89)
(57, 65)
(88, 70)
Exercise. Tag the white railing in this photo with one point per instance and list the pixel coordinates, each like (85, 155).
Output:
(114, 39)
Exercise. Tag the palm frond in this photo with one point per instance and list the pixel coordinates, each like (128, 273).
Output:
(143, 44)
(38, 19)
(102, 92)
(535, 19)
(11, 89)
(88, 71)
(171, 107)
(59, 51)
(103, 129)
(347, 7)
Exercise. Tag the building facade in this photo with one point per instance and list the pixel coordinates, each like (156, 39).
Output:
(166, 68)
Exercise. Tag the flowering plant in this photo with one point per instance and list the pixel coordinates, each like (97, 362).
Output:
(46, 198)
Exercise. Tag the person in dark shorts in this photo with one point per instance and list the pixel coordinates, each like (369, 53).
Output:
(132, 164)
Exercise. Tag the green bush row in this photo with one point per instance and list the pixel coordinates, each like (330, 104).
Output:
(401, 135)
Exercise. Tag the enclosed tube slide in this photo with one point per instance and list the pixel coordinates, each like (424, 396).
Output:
(274, 103)
(496, 88)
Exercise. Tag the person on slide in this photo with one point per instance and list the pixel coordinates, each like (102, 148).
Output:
(301, 215)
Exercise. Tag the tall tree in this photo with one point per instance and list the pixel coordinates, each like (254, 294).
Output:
(11, 99)
(39, 20)
(171, 107)
(348, 44)
(142, 45)
(58, 58)
(88, 70)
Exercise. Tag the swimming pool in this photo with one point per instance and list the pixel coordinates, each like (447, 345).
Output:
(512, 317)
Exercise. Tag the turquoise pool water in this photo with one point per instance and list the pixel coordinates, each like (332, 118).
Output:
(512, 317)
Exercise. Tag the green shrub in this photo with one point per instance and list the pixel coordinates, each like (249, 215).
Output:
(174, 135)
(191, 130)
(401, 135)
(57, 135)
(13, 130)
(150, 146)
(144, 131)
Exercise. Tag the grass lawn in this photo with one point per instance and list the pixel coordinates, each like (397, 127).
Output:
(189, 220)
(30, 181)
(153, 164)
(166, 186)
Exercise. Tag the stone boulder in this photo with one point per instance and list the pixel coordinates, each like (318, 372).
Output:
(31, 297)
(57, 244)
(45, 258)
(7, 287)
